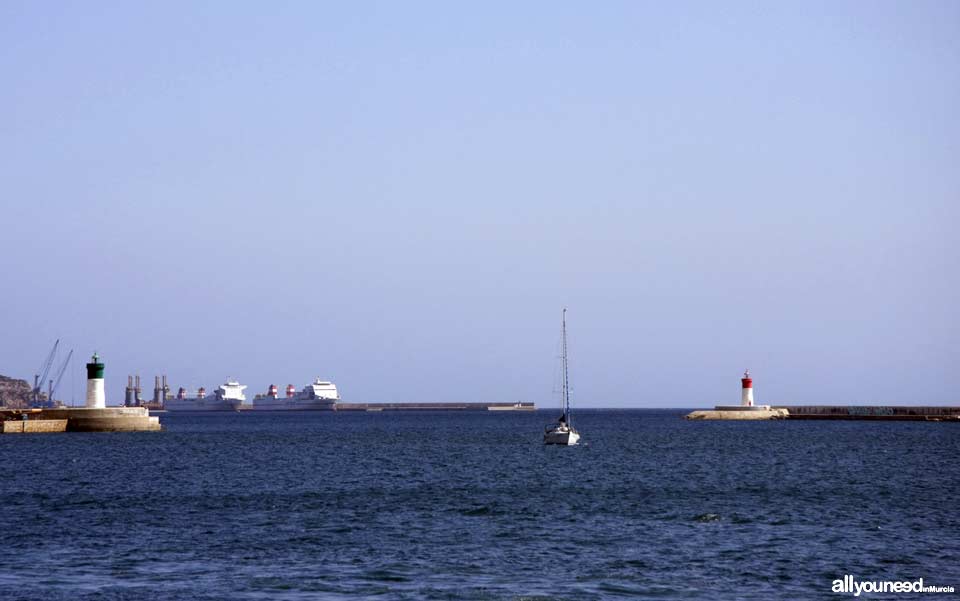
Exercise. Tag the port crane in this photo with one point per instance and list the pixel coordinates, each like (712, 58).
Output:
(39, 379)
(55, 383)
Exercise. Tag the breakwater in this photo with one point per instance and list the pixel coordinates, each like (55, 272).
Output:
(436, 407)
(78, 419)
(872, 412)
(825, 412)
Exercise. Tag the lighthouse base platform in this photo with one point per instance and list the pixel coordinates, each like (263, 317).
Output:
(79, 419)
(739, 412)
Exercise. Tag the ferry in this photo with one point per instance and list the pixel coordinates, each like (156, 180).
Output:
(322, 395)
(227, 397)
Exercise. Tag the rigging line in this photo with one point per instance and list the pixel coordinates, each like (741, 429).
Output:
(566, 376)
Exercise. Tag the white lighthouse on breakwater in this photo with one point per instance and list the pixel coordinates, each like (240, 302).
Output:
(746, 394)
(96, 398)
(745, 410)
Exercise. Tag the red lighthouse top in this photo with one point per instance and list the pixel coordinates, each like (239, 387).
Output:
(746, 380)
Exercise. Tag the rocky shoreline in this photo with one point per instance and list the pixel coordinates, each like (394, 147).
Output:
(14, 393)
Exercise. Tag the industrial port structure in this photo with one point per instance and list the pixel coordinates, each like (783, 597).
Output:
(94, 416)
(133, 397)
(37, 398)
(133, 393)
(47, 415)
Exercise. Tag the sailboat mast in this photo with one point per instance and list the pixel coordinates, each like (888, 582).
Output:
(566, 377)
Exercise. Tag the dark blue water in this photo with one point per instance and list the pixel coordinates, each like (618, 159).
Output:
(473, 506)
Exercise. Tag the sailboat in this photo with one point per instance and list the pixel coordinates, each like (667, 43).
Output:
(563, 432)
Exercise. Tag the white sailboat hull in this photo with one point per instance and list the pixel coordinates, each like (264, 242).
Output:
(561, 436)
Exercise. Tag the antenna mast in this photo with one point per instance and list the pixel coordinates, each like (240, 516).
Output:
(566, 377)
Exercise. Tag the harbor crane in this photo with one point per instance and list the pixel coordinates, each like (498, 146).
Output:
(44, 370)
(55, 383)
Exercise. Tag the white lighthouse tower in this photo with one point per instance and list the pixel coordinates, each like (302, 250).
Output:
(746, 394)
(96, 398)
(746, 410)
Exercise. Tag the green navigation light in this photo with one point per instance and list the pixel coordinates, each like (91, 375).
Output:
(95, 369)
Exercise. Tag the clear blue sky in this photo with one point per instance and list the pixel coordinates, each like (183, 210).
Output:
(401, 196)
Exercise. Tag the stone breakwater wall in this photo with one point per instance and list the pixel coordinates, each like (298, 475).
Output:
(80, 419)
(21, 426)
(758, 414)
(836, 412)
(873, 412)
(525, 406)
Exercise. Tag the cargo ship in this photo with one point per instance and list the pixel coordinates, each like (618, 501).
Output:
(228, 397)
(319, 396)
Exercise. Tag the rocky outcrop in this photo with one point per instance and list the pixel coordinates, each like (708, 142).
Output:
(14, 393)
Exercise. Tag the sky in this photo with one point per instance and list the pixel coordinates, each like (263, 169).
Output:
(402, 197)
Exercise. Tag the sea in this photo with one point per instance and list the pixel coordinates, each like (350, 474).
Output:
(472, 505)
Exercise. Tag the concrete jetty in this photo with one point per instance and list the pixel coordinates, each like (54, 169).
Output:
(79, 419)
(746, 410)
(873, 412)
(880, 413)
(32, 426)
(760, 413)
(94, 417)
(436, 407)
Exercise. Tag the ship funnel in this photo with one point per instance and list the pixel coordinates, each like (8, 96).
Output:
(291, 391)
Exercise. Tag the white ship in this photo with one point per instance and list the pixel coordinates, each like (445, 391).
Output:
(228, 397)
(319, 396)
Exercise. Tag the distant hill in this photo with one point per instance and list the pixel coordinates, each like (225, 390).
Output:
(14, 393)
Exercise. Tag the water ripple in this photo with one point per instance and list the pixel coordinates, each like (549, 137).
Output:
(472, 506)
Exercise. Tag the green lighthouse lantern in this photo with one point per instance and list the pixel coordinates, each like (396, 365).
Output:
(95, 368)
(96, 397)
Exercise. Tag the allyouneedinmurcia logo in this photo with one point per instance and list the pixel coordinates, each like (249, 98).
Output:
(849, 584)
